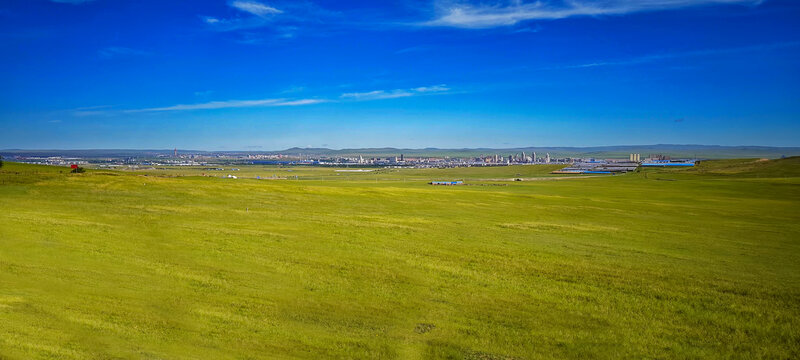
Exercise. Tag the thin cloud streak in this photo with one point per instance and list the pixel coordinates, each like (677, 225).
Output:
(273, 102)
(465, 15)
(377, 94)
(261, 15)
(301, 102)
(228, 104)
(396, 93)
(659, 57)
(434, 88)
(255, 8)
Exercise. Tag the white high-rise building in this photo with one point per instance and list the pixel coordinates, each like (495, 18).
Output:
(547, 159)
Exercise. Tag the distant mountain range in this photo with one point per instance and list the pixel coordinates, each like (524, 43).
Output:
(699, 151)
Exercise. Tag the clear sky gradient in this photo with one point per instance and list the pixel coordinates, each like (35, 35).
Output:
(266, 75)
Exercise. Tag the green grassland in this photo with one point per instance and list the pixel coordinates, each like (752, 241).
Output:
(661, 263)
(360, 173)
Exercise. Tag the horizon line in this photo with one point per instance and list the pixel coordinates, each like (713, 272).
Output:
(401, 148)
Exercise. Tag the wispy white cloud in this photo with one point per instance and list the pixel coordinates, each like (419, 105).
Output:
(434, 88)
(255, 8)
(259, 15)
(106, 110)
(258, 22)
(377, 94)
(210, 20)
(396, 93)
(658, 57)
(230, 104)
(301, 102)
(507, 13)
(534, 29)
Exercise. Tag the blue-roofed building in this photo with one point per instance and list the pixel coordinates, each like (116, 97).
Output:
(459, 182)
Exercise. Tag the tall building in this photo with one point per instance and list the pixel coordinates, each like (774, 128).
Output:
(547, 158)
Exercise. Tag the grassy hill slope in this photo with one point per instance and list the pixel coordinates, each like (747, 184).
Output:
(122, 265)
(788, 167)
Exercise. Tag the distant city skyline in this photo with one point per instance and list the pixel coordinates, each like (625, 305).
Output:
(271, 75)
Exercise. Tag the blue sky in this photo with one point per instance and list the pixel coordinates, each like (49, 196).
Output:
(265, 75)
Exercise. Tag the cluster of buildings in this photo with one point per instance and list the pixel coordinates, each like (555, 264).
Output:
(51, 160)
(520, 158)
(615, 166)
(437, 162)
(175, 158)
(592, 166)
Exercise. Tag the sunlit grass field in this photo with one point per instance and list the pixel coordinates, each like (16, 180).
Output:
(356, 173)
(686, 263)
